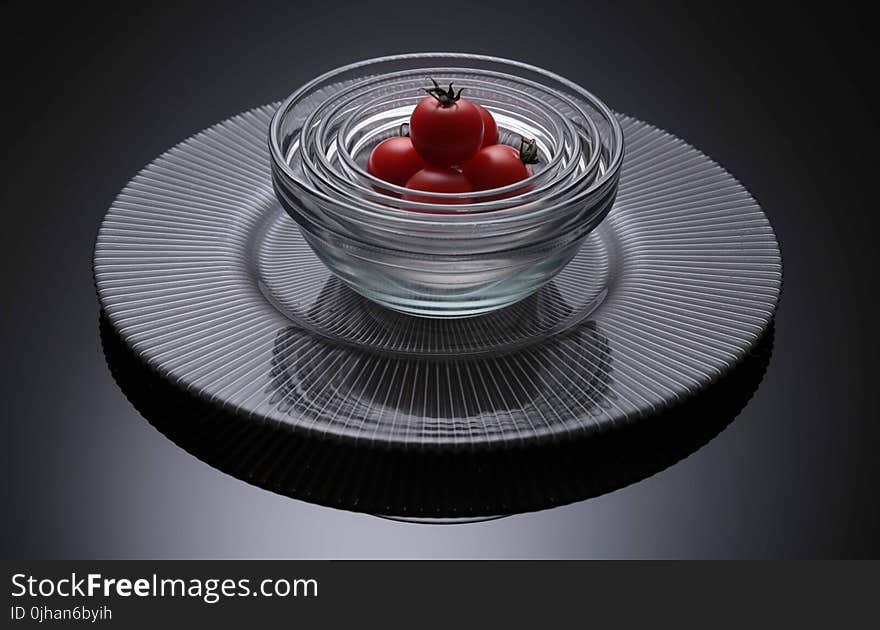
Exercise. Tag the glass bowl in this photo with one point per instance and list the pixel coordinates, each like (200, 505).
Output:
(488, 249)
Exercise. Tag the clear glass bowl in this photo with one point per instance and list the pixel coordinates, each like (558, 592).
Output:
(439, 259)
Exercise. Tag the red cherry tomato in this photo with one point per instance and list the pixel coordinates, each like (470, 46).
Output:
(490, 128)
(395, 160)
(439, 180)
(496, 166)
(445, 129)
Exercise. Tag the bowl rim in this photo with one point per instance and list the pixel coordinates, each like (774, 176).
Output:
(443, 215)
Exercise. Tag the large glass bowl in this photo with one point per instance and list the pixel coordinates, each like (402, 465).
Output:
(434, 259)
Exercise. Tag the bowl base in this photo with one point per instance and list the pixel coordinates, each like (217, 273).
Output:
(454, 310)
(297, 283)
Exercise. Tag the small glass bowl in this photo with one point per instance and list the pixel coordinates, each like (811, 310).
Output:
(487, 250)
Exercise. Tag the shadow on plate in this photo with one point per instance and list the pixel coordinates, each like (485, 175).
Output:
(419, 483)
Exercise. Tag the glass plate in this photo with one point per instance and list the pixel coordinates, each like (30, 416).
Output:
(209, 282)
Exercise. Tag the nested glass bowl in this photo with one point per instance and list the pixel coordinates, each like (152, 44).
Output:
(487, 250)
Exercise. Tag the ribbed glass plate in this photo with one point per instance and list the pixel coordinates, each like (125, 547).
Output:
(208, 280)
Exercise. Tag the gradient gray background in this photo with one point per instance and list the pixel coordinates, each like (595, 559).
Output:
(780, 97)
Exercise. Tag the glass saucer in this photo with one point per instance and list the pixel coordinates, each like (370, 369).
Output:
(209, 282)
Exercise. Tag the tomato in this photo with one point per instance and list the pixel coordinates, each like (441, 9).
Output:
(495, 166)
(395, 160)
(439, 180)
(446, 129)
(490, 128)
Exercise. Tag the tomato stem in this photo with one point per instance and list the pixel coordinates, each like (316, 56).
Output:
(446, 97)
(528, 151)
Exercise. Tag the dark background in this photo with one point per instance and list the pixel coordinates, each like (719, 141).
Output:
(781, 96)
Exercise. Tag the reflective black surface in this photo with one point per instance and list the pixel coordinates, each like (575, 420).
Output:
(784, 98)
